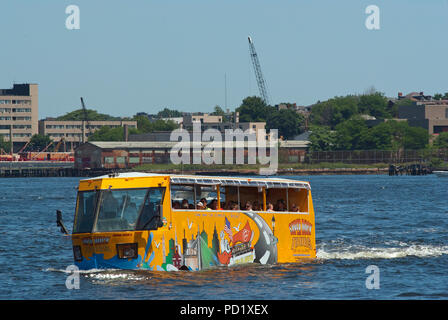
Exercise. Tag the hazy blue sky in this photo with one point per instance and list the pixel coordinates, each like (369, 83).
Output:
(142, 55)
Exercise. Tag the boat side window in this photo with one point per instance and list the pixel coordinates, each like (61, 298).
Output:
(119, 209)
(251, 198)
(85, 212)
(206, 197)
(231, 198)
(151, 214)
(182, 197)
(287, 200)
(222, 197)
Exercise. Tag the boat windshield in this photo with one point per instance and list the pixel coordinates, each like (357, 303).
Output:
(119, 210)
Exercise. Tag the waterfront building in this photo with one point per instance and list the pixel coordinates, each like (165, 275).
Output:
(72, 131)
(426, 112)
(128, 154)
(19, 113)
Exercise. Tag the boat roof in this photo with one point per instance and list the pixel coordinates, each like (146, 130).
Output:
(267, 182)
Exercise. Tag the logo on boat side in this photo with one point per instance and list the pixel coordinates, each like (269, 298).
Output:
(90, 241)
(300, 227)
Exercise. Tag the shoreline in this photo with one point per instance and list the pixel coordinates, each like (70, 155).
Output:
(20, 172)
(65, 172)
(280, 172)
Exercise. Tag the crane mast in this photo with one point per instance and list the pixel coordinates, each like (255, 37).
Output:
(257, 68)
(85, 122)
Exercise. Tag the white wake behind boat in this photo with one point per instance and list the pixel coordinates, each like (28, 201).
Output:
(441, 174)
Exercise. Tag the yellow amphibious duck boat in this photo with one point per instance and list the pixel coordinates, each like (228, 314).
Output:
(181, 222)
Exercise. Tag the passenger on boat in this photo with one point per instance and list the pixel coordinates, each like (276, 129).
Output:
(228, 205)
(176, 205)
(281, 205)
(204, 202)
(185, 204)
(248, 206)
(234, 206)
(294, 208)
(213, 205)
(256, 206)
(200, 205)
(190, 206)
(269, 207)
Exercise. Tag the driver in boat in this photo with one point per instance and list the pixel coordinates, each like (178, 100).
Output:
(109, 205)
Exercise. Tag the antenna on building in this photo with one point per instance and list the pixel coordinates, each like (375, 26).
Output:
(225, 91)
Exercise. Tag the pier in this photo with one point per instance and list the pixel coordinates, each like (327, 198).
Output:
(18, 169)
(415, 169)
(36, 169)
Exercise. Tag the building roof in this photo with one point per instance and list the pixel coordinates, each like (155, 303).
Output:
(131, 144)
(302, 144)
(170, 144)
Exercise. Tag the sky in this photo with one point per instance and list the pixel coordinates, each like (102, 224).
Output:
(145, 55)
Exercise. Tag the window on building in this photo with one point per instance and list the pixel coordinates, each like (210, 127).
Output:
(121, 160)
(21, 126)
(109, 160)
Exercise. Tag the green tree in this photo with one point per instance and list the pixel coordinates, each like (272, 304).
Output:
(415, 138)
(169, 113)
(144, 125)
(350, 135)
(334, 111)
(439, 96)
(378, 137)
(441, 141)
(254, 109)
(375, 104)
(107, 133)
(162, 125)
(322, 138)
(38, 142)
(5, 145)
(404, 136)
(288, 122)
(218, 111)
(92, 115)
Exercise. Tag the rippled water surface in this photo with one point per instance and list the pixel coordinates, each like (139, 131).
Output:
(398, 224)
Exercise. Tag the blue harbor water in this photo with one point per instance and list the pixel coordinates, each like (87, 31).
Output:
(398, 224)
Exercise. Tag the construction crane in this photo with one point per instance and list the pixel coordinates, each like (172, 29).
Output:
(56, 148)
(85, 122)
(42, 151)
(24, 147)
(260, 80)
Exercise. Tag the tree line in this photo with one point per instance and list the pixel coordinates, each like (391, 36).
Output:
(339, 123)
